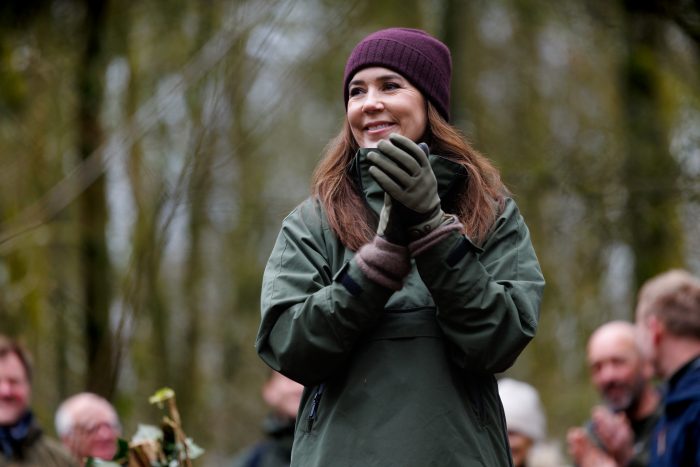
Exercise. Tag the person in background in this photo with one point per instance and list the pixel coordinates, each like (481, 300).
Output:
(622, 375)
(668, 323)
(407, 280)
(282, 395)
(88, 426)
(22, 442)
(527, 426)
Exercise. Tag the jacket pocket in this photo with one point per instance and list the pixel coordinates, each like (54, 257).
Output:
(313, 409)
(419, 322)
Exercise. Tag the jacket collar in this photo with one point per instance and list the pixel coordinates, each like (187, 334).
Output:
(15, 438)
(683, 385)
(448, 174)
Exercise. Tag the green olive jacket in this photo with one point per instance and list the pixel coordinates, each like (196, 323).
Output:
(407, 378)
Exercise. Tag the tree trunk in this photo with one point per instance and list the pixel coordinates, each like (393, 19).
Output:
(93, 210)
(650, 174)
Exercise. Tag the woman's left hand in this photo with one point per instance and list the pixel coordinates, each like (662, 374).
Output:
(403, 171)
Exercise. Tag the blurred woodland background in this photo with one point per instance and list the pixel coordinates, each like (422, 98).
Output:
(150, 149)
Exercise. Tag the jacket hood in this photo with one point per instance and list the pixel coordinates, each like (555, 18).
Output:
(449, 174)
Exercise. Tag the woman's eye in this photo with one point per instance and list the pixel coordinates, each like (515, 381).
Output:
(355, 91)
(390, 86)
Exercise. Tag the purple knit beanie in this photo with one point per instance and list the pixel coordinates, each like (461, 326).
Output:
(418, 56)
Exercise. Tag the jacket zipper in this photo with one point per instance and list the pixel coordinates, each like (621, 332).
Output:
(313, 413)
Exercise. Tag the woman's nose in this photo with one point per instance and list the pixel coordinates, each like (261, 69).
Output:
(372, 102)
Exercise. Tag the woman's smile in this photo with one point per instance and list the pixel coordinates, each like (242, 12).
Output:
(378, 127)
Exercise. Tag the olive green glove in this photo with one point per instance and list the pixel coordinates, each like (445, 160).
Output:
(390, 225)
(402, 169)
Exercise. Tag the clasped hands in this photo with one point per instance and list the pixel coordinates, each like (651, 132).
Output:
(615, 435)
(411, 203)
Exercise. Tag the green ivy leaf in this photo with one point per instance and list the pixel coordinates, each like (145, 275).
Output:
(161, 395)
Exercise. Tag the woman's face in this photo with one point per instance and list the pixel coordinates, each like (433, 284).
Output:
(382, 102)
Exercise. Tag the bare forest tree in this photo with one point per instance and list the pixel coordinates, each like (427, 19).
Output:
(149, 151)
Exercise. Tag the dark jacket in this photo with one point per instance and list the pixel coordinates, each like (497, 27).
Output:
(676, 440)
(275, 450)
(24, 445)
(643, 430)
(399, 379)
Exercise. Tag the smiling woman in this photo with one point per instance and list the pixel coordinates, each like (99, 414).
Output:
(382, 102)
(397, 290)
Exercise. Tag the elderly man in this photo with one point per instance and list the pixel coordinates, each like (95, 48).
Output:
(22, 442)
(620, 372)
(668, 321)
(88, 426)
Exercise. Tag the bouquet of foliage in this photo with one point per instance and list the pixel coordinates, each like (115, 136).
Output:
(152, 446)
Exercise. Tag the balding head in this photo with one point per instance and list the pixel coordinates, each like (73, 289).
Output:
(88, 426)
(619, 370)
(620, 334)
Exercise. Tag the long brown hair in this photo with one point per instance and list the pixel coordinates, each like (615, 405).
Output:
(477, 205)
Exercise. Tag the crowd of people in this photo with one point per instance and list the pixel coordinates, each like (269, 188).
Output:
(394, 298)
(87, 424)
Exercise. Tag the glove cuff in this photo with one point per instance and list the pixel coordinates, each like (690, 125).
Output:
(449, 223)
(384, 262)
(420, 230)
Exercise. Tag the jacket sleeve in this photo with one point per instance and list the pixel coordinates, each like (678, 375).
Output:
(488, 298)
(311, 317)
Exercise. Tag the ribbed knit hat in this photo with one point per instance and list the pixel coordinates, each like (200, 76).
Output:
(418, 56)
(523, 409)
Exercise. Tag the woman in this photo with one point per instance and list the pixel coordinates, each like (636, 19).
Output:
(396, 334)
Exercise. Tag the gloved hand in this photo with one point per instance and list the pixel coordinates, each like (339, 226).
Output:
(390, 225)
(403, 171)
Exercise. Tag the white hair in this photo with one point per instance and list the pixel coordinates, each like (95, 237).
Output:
(65, 414)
